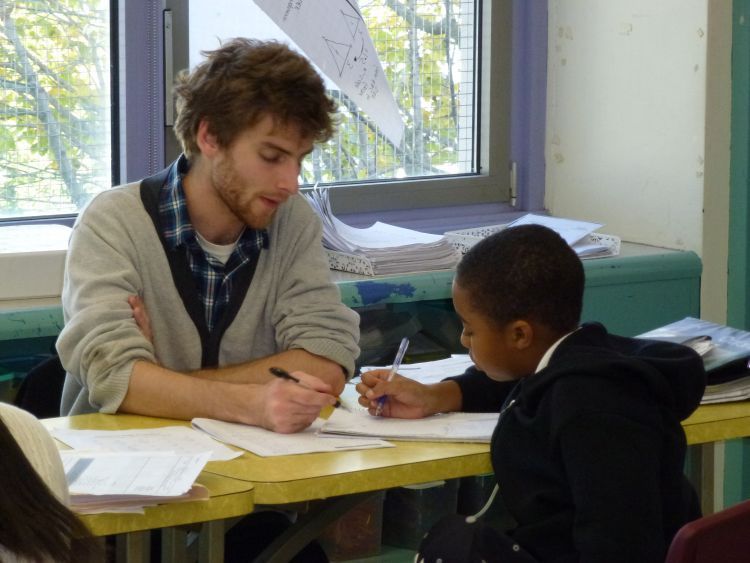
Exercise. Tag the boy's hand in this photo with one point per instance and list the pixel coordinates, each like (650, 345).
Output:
(406, 398)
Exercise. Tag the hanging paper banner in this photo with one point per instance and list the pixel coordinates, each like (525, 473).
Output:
(333, 34)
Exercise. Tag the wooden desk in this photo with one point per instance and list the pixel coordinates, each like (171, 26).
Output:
(229, 498)
(291, 479)
(300, 478)
(708, 426)
(344, 478)
(714, 423)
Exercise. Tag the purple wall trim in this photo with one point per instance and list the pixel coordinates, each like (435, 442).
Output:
(141, 83)
(529, 100)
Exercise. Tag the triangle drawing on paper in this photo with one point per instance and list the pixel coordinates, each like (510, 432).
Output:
(339, 52)
(352, 22)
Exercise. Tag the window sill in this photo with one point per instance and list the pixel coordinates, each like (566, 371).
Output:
(33, 259)
(437, 220)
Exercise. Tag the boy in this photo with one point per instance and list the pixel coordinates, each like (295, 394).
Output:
(588, 451)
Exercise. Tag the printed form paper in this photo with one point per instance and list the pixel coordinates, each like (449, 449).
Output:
(144, 473)
(180, 439)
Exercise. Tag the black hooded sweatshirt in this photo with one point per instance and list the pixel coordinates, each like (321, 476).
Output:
(589, 452)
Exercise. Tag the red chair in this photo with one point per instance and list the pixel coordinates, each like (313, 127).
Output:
(723, 537)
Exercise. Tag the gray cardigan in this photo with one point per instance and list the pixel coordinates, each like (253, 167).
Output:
(115, 251)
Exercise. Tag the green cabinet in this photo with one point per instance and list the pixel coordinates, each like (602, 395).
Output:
(642, 288)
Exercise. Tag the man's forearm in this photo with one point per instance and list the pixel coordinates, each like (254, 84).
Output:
(256, 371)
(277, 405)
(157, 391)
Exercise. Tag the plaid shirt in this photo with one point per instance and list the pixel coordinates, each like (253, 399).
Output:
(213, 279)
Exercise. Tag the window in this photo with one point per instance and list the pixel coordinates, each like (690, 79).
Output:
(55, 119)
(448, 64)
(427, 50)
(58, 122)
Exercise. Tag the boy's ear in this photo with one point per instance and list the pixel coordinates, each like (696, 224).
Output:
(206, 141)
(521, 334)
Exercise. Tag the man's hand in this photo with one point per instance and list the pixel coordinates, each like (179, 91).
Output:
(141, 316)
(277, 405)
(288, 406)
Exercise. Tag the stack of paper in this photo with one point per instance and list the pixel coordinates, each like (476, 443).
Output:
(127, 470)
(736, 390)
(579, 235)
(180, 439)
(725, 352)
(128, 482)
(381, 248)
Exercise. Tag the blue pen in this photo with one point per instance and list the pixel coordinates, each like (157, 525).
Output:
(394, 368)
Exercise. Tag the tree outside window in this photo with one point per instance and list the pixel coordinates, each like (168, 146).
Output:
(55, 124)
(55, 114)
(427, 49)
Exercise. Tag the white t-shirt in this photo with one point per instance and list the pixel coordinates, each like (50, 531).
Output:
(221, 252)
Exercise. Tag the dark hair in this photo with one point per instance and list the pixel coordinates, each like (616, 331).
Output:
(33, 523)
(524, 273)
(245, 80)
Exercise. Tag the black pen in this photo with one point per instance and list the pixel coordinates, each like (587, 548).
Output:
(283, 374)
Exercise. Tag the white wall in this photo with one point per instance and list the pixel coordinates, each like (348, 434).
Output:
(715, 251)
(626, 123)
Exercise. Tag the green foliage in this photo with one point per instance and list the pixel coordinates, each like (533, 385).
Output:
(419, 53)
(54, 56)
(54, 101)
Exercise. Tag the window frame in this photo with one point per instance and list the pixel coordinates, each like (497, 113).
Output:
(511, 118)
(140, 74)
(115, 17)
(491, 184)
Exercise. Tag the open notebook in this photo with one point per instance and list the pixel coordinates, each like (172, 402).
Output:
(447, 427)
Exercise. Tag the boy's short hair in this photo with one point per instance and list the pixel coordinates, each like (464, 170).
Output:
(524, 273)
(243, 81)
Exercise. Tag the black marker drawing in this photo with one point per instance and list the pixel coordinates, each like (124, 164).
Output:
(342, 52)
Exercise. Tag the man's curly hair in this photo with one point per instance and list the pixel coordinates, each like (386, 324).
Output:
(245, 80)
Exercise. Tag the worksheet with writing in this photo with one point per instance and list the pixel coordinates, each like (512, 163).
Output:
(446, 427)
(263, 442)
